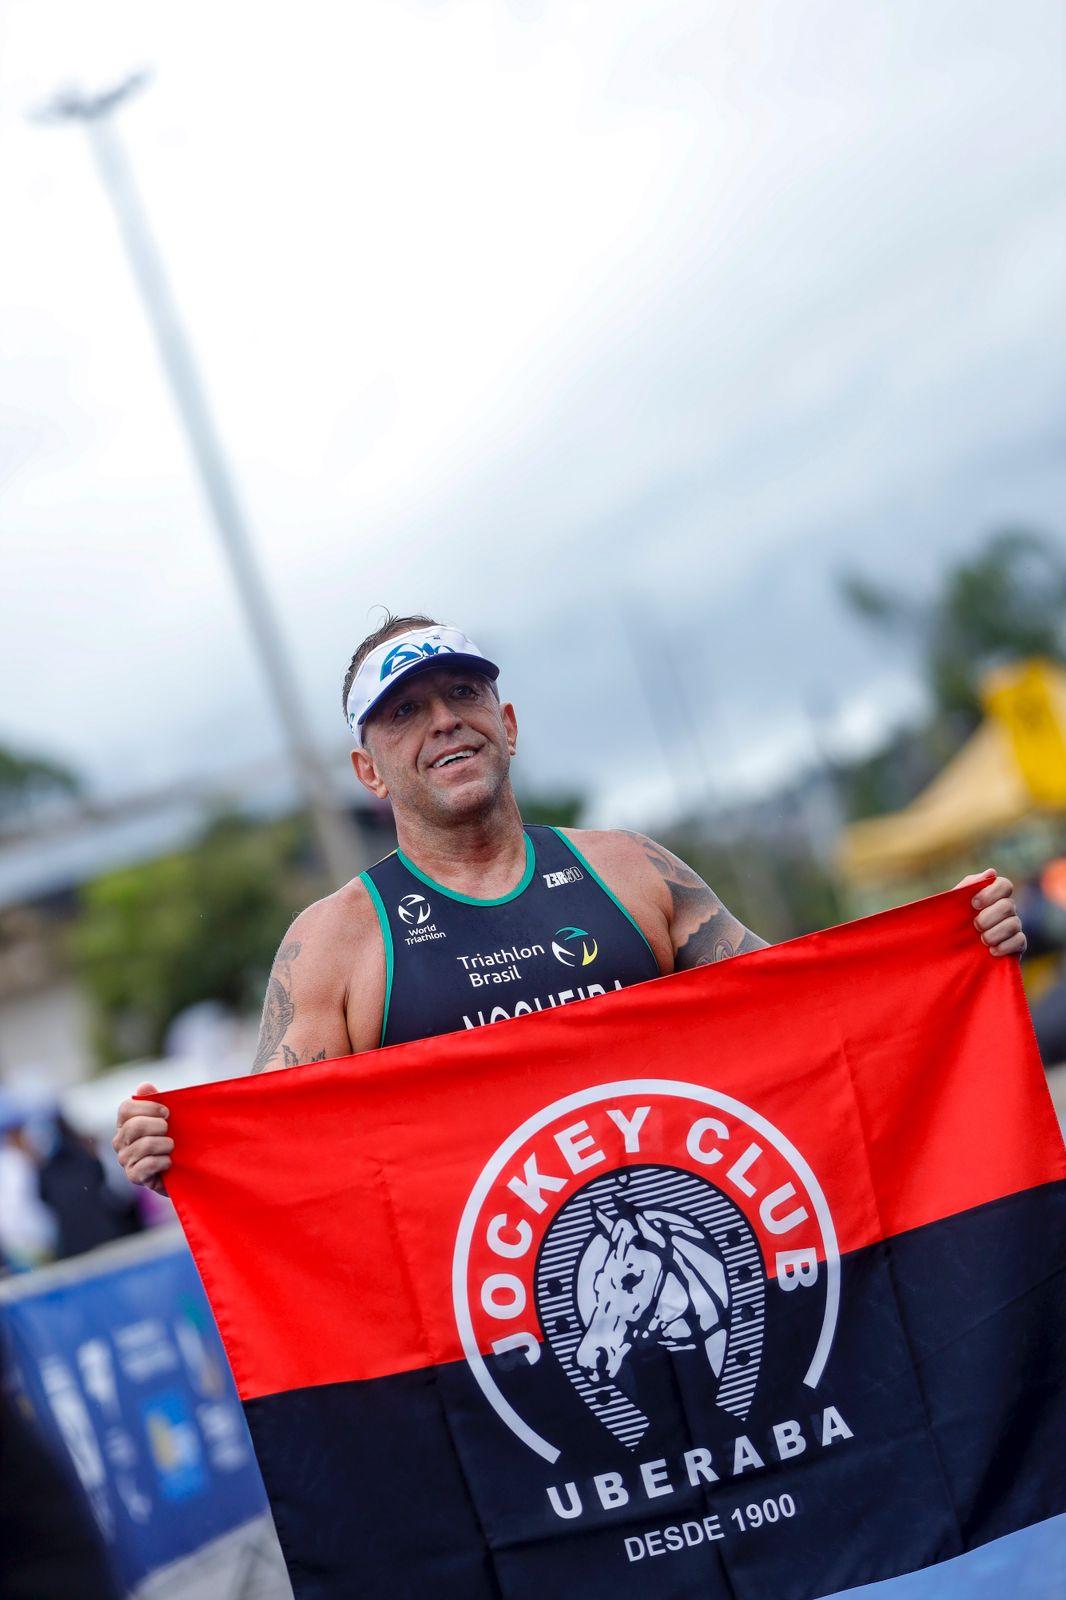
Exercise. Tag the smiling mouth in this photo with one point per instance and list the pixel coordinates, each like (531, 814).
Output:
(453, 759)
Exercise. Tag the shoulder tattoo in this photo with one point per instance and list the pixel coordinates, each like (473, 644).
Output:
(278, 1012)
(704, 930)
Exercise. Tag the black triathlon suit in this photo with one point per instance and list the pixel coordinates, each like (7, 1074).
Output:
(453, 962)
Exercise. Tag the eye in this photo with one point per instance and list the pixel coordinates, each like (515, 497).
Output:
(404, 709)
(465, 691)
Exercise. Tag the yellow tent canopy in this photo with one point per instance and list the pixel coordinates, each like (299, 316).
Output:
(1013, 766)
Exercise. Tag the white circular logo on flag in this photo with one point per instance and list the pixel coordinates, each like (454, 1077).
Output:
(630, 1219)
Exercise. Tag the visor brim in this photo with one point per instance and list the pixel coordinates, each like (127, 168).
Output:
(457, 660)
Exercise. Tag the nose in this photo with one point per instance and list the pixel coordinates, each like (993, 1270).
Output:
(443, 717)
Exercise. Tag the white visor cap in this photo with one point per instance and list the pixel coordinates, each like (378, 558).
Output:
(403, 655)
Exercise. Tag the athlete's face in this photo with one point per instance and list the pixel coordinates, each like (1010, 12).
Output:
(439, 746)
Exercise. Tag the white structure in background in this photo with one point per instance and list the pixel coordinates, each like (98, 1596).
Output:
(91, 1105)
(44, 1016)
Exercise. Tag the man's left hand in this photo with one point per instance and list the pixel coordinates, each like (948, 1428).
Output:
(996, 919)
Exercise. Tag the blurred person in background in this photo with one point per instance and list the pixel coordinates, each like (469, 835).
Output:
(454, 928)
(55, 1200)
(73, 1185)
(27, 1226)
(1043, 902)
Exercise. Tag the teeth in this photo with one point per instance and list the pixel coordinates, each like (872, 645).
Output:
(459, 755)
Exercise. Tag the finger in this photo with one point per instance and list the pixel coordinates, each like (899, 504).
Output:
(148, 1180)
(1008, 929)
(140, 1108)
(998, 889)
(142, 1150)
(150, 1167)
(148, 1147)
(1015, 946)
(138, 1128)
(995, 913)
(157, 1186)
(145, 1091)
(974, 877)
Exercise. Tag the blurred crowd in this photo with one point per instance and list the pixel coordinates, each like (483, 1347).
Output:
(60, 1194)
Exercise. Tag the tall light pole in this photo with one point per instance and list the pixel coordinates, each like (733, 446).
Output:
(672, 715)
(334, 833)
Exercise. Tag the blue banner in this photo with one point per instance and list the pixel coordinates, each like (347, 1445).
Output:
(119, 1360)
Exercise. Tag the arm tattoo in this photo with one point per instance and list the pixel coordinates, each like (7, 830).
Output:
(278, 1008)
(291, 1058)
(703, 930)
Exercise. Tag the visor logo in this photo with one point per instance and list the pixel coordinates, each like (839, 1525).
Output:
(405, 655)
(574, 947)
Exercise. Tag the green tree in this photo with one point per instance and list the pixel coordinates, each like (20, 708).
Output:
(27, 779)
(555, 810)
(202, 924)
(1003, 604)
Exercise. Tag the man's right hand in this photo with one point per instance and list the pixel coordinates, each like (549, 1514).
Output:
(141, 1142)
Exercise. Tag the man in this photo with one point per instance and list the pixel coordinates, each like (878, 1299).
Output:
(474, 918)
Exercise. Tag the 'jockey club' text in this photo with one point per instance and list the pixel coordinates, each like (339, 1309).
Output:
(735, 1162)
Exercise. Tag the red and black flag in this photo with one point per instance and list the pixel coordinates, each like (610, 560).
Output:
(742, 1282)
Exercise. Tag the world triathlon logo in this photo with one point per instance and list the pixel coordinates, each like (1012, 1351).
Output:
(405, 655)
(574, 947)
(662, 1254)
(414, 910)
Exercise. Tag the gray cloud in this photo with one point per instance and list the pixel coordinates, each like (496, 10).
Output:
(538, 323)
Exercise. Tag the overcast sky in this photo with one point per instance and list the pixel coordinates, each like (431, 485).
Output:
(560, 321)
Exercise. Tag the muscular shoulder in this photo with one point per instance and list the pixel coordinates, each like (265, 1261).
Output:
(622, 860)
(326, 988)
(334, 932)
(619, 856)
(674, 899)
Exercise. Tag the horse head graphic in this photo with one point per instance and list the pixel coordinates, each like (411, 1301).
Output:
(649, 1276)
(657, 1260)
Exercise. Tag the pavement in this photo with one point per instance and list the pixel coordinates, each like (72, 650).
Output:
(245, 1564)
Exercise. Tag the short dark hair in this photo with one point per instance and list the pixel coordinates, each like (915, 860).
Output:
(388, 629)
